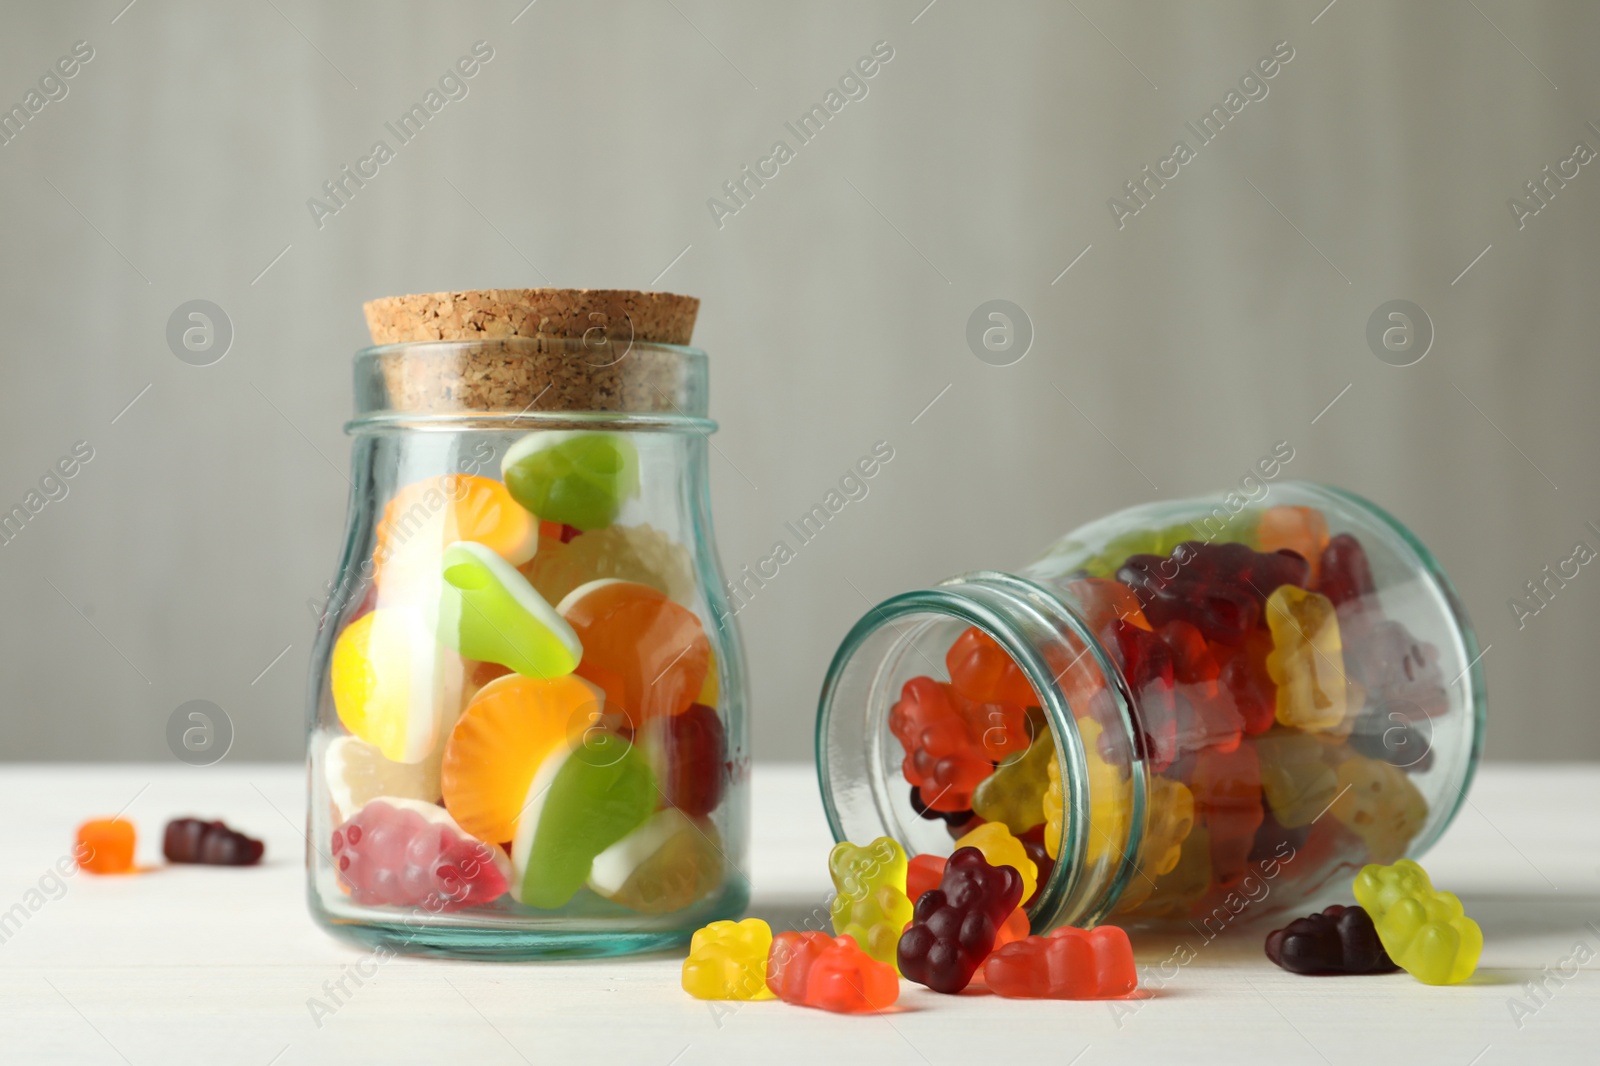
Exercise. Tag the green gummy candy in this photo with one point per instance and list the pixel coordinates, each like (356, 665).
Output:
(603, 791)
(577, 478)
(489, 612)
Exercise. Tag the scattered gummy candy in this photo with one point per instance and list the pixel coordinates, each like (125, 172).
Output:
(1425, 931)
(830, 973)
(1068, 964)
(1337, 940)
(728, 960)
(954, 926)
(105, 846)
(191, 840)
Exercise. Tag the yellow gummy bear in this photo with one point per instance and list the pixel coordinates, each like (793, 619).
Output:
(1173, 894)
(1307, 659)
(1297, 783)
(728, 960)
(1014, 793)
(1109, 799)
(1000, 848)
(1380, 804)
(1425, 931)
(871, 903)
(1169, 819)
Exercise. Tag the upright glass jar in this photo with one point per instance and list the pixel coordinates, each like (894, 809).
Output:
(1196, 712)
(527, 705)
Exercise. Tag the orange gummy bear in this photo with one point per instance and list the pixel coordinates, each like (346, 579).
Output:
(105, 846)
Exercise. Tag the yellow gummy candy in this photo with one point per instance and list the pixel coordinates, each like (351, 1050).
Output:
(1425, 931)
(728, 960)
(1000, 848)
(1307, 659)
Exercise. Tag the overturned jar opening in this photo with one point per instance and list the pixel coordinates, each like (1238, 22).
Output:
(593, 378)
(947, 708)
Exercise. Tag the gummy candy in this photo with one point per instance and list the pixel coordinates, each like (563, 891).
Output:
(997, 730)
(1301, 530)
(665, 865)
(574, 477)
(1110, 798)
(949, 818)
(1393, 737)
(357, 773)
(1379, 802)
(1014, 793)
(816, 970)
(923, 874)
(405, 853)
(981, 671)
(641, 554)
(728, 960)
(1033, 843)
(1245, 677)
(1068, 964)
(650, 655)
(953, 927)
(1297, 782)
(1000, 848)
(1307, 660)
(940, 759)
(488, 611)
(1014, 928)
(423, 517)
(689, 754)
(393, 686)
(1169, 819)
(1338, 940)
(1399, 672)
(578, 807)
(1176, 892)
(1227, 801)
(1219, 588)
(870, 903)
(1425, 931)
(1147, 663)
(105, 846)
(511, 727)
(1101, 600)
(191, 840)
(1345, 575)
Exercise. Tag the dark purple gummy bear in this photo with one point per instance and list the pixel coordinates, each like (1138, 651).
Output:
(1345, 574)
(953, 927)
(1276, 842)
(1218, 588)
(209, 843)
(1339, 940)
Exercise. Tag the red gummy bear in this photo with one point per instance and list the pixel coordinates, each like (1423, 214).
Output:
(1219, 588)
(941, 759)
(1227, 801)
(407, 853)
(1345, 574)
(954, 926)
(1067, 964)
(1245, 677)
(981, 671)
(817, 970)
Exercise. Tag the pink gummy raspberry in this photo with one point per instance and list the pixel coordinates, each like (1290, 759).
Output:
(407, 853)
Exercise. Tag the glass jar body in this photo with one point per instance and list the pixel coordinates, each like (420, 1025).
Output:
(528, 731)
(1200, 711)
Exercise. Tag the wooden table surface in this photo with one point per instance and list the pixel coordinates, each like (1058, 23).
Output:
(215, 966)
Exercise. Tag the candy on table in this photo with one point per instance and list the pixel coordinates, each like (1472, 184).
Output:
(641, 554)
(579, 478)
(923, 874)
(1014, 793)
(870, 902)
(1425, 931)
(393, 686)
(105, 846)
(665, 865)
(1068, 964)
(689, 754)
(191, 840)
(1110, 799)
(830, 973)
(981, 671)
(424, 516)
(1296, 778)
(1033, 842)
(1380, 804)
(1301, 530)
(953, 927)
(512, 727)
(1307, 660)
(489, 612)
(357, 773)
(406, 853)
(1227, 801)
(1175, 893)
(1169, 820)
(650, 655)
(728, 960)
(1344, 575)
(576, 808)
(1219, 588)
(1245, 677)
(1338, 940)
(1147, 663)
(1000, 848)
(940, 759)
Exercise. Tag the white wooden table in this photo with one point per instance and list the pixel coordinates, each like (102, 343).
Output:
(214, 966)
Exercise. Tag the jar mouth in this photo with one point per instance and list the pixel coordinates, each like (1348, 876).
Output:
(555, 382)
(1022, 617)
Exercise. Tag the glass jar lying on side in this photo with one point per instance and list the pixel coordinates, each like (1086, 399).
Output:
(527, 726)
(1183, 712)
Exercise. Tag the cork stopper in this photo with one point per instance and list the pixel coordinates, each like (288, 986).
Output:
(549, 349)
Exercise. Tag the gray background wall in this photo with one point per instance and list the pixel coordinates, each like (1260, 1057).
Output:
(1222, 318)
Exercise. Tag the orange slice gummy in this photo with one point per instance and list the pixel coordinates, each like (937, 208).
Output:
(421, 519)
(511, 726)
(649, 654)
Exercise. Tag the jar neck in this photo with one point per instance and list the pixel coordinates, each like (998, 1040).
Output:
(1051, 643)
